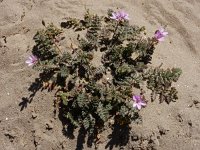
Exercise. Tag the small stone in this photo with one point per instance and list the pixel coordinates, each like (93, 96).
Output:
(49, 125)
(134, 137)
(111, 121)
(162, 130)
(179, 118)
(6, 118)
(155, 140)
(11, 136)
(190, 123)
(64, 145)
(34, 115)
(159, 112)
(190, 105)
(195, 102)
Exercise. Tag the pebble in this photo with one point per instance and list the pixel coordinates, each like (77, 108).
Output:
(162, 130)
(190, 123)
(111, 121)
(190, 105)
(49, 125)
(134, 137)
(186, 86)
(155, 140)
(34, 115)
(196, 102)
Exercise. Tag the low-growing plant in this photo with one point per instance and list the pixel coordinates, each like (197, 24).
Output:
(97, 76)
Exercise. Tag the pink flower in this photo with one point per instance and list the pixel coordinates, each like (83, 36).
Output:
(119, 16)
(31, 60)
(160, 34)
(138, 102)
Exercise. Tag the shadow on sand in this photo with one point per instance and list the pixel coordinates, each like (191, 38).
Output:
(118, 138)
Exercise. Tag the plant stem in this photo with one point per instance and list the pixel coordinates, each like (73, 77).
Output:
(115, 30)
(58, 48)
(113, 35)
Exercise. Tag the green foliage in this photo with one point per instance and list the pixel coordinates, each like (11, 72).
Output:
(160, 82)
(91, 94)
(45, 40)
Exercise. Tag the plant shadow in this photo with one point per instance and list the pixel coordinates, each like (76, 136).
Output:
(36, 86)
(69, 129)
(118, 138)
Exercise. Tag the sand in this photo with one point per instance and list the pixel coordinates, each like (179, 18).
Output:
(175, 126)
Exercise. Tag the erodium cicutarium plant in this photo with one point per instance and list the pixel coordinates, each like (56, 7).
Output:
(102, 75)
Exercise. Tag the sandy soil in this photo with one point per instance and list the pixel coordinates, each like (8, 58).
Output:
(164, 127)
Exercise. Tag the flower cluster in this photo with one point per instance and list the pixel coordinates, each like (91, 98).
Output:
(32, 60)
(138, 102)
(160, 34)
(120, 16)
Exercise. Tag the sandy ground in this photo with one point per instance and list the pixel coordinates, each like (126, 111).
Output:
(168, 127)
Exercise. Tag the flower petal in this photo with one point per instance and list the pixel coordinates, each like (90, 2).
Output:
(31, 64)
(119, 16)
(134, 105)
(28, 61)
(30, 57)
(161, 39)
(139, 106)
(136, 97)
(142, 103)
(165, 33)
(113, 17)
(126, 17)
